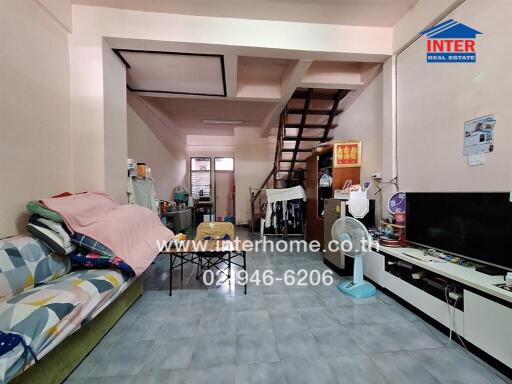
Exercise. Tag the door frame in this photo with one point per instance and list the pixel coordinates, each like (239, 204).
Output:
(215, 183)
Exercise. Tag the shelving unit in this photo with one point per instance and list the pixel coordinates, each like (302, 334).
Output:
(316, 195)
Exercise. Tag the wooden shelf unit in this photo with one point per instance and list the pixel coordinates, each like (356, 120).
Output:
(315, 195)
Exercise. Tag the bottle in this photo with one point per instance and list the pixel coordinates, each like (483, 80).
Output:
(508, 279)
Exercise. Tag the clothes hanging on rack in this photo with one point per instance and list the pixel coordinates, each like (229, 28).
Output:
(295, 217)
(284, 213)
(284, 208)
(285, 194)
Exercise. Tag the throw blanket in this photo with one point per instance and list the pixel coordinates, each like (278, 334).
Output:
(130, 231)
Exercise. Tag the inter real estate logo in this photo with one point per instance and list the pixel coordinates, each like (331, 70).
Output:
(451, 42)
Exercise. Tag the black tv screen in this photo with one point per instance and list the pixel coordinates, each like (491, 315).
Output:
(477, 226)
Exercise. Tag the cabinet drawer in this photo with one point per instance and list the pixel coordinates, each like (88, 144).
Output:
(488, 326)
(373, 266)
(428, 304)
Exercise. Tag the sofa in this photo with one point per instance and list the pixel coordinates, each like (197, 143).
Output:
(60, 313)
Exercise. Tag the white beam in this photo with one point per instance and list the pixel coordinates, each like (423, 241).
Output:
(231, 73)
(293, 76)
(354, 41)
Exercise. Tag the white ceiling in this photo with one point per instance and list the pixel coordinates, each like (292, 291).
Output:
(178, 73)
(263, 88)
(378, 13)
(188, 113)
(261, 69)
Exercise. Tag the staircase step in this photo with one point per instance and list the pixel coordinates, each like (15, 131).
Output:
(305, 138)
(324, 112)
(311, 126)
(289, 161)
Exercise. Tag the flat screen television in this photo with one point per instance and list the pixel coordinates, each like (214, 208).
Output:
(477, 226)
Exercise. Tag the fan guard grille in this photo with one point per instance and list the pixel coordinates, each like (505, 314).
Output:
(351, 232)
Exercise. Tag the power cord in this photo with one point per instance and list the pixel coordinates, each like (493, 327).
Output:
(452, 324)
(428, 326)
(451, 315)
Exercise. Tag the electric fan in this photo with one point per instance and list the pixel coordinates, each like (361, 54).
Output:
(354, 241)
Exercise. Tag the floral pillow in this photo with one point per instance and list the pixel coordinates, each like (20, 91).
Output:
(88, 259)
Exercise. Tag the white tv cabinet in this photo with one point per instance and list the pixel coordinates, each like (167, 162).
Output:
(484, 320)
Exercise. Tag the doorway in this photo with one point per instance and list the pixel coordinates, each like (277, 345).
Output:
(224, 168)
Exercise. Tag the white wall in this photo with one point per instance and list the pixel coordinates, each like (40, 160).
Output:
(254, 157)
(98, 112)
(388, 134)
(35, 150)
(115, 131)
(60, 10)
(363, 120)
(434, 100)
(167, 167)
(422, 15)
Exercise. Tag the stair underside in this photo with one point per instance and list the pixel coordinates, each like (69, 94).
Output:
(308, 118)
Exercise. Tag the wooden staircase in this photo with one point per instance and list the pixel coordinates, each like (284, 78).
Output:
(306, 121)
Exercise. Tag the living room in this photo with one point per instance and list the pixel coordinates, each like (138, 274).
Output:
(182, 178)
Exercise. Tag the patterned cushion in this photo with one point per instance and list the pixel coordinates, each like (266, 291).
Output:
(84, 241)
(47, 314)
(26, 262)
(87, 259)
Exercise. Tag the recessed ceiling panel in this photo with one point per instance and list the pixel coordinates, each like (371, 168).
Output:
(189, 114)
(169, 72)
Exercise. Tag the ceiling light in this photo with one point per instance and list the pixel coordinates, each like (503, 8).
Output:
(231, 122)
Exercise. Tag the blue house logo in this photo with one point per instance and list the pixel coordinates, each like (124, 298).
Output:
(451, 42)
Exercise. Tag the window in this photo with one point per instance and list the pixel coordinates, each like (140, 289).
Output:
(224, 163)
(200, 177)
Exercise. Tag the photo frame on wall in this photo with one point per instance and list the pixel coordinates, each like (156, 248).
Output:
(346, 154)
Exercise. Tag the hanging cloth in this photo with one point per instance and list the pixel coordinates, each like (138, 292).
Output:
(142, 192)
(283, 195)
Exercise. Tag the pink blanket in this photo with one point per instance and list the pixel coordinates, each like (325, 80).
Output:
(132, 232)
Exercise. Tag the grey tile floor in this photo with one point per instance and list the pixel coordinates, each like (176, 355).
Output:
(277, 334)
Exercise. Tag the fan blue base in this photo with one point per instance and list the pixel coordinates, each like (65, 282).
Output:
(357, 290)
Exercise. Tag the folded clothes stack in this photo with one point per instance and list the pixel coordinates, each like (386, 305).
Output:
(83, 251)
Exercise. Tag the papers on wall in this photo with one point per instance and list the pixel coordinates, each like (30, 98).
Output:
(476, 159)
(479, 135)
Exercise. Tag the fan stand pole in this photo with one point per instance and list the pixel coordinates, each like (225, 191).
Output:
(358, 270)
(357, 287)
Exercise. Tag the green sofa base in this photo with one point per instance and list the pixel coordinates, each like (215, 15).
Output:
(61, 361)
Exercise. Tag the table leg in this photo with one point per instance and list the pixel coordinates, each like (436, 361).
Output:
(199, 269)
(229, 267)
(182, 262)
(245, 269)
(170, 277)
